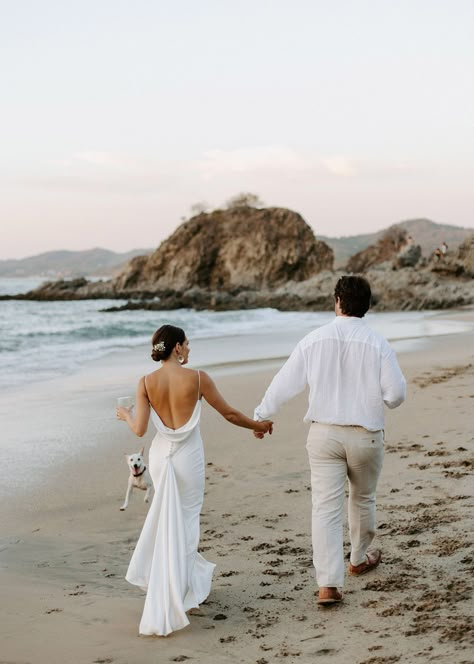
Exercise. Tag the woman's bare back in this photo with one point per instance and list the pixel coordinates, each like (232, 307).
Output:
(173, 393)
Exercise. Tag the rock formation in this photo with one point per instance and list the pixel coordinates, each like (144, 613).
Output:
(408, 256)
(387, 248)
(457, 263)
(465, 257)
(66, 289)
(242, 248)
(245, 258)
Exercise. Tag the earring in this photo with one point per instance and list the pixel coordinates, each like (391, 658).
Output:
(180, 359)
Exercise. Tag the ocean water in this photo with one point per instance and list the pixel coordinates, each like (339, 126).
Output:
(41, 340)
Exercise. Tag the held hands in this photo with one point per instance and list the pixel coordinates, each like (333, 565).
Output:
(261, 428)
(122, 412)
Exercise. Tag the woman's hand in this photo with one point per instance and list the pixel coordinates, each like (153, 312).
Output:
(123, 412)
(261, 428)
(136, 416)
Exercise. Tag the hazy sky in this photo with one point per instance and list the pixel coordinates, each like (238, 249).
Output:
(117, 115)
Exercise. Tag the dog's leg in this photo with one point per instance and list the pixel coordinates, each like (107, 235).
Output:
(147, 495)
(127, 497)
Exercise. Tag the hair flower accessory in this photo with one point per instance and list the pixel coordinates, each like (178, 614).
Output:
(160, 347)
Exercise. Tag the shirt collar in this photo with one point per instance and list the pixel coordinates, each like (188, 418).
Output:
(346, 319)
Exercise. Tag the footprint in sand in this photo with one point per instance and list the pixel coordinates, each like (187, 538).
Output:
(391, 659)
(227, 639)
(447, 546)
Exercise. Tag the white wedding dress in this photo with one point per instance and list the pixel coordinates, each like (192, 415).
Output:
(166, 562)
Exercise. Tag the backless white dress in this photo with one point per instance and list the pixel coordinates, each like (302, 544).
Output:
(166, 562)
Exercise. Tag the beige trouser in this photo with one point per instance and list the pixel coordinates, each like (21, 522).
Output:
(336, 452)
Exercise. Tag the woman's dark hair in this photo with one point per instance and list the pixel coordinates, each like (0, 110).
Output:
(354, 295)
(164, 340)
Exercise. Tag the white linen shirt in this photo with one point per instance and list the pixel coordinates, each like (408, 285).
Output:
(351, 372)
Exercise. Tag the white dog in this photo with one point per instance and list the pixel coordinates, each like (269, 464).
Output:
(139, 477)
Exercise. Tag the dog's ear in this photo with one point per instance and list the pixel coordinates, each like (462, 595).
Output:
(142, 451)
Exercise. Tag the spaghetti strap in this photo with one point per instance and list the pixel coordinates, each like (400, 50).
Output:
(199, 384)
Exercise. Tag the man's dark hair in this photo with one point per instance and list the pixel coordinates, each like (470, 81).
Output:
(354, 295)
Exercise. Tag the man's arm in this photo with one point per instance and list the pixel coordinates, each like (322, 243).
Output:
(391, 380)
(288, 382)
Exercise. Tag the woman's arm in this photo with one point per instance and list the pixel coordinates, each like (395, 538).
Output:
(139, 423)
(213, 397)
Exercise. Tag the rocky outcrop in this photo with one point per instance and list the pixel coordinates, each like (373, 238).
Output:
(387, 248)
(425, 233)
(315, 294)
(417, 289)
(465, 257)
(241, 248)
(406, 289)
(66, 289)
(225, 251)
(245, 258)
(131, 276)
(409, 256)
(457, 263)
(78, 289)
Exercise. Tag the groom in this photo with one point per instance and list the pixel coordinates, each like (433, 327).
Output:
(351, 372)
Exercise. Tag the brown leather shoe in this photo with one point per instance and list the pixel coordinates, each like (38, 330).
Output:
(329, 596)
(373, 559)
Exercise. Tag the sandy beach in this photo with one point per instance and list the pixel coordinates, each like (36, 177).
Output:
(65, 545)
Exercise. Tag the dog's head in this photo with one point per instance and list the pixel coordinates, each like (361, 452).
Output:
(136, 462)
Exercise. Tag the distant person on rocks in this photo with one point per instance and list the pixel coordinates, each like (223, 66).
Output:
(352, 372)
(440, 252)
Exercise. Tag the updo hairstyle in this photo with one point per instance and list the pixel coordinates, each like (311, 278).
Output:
(167, 336)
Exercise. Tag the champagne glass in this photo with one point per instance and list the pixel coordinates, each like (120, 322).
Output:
(125, 402)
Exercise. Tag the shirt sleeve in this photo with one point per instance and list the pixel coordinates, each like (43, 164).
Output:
(392, 380)
(288, 382)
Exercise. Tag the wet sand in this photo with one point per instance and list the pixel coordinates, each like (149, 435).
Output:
(65, 545)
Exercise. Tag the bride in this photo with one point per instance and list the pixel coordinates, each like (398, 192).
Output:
(166, 562)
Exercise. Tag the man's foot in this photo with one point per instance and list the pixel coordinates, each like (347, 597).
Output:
(329, 596)
(373, 559)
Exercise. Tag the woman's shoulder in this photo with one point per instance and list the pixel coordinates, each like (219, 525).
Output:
(150, 376)
(193, 375)
(183, 373)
